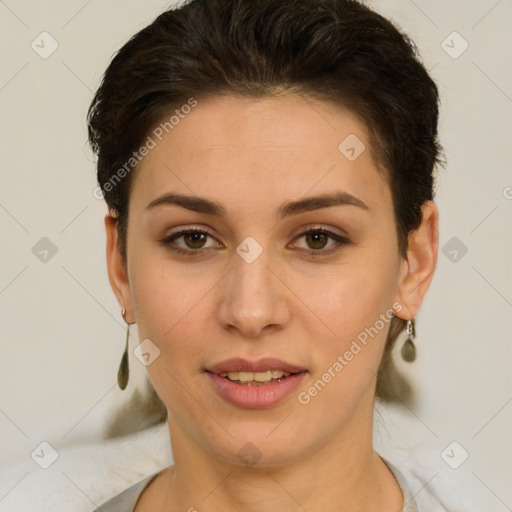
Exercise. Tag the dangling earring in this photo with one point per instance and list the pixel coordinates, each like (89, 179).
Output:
(409, 348)
(123, 372)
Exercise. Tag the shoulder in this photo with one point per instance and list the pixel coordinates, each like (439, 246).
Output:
(126, 500)
(418, 496)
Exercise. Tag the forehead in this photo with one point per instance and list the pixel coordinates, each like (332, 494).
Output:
(234, 147)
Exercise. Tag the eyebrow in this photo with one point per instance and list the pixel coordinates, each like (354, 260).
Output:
(207, 206)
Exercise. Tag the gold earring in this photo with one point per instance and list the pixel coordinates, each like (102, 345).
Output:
(124, 371)
(409, 348)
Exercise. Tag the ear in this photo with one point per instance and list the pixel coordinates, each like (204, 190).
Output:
(117, 273)
(417, 270)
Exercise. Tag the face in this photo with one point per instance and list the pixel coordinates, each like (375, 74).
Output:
(250, 265)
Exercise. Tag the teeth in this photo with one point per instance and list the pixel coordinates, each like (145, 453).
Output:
(266, 376)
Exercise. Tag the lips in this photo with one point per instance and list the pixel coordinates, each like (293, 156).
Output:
(245, 383)
(238, 364)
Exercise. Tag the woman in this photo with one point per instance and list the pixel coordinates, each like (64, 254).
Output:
(268, 169)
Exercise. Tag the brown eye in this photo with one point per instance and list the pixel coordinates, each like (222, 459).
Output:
(190, 241)
(194, 240)
(317, 242)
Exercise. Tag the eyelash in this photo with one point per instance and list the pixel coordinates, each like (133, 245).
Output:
(341, 241)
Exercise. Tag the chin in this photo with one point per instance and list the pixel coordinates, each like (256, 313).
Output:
(260, 450)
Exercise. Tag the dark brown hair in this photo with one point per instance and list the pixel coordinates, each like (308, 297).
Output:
(334, 50)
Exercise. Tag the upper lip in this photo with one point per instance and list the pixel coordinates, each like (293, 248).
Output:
(237, 364)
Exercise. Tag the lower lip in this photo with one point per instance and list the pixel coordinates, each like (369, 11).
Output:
(256, 397)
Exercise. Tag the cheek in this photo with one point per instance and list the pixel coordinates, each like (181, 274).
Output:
(354, 297)
(173, 308)
(169, 312)
(355, 306)
(357, 311)
(167, 304)
(160, 292)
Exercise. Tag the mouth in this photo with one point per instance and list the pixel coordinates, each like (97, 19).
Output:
(261, 371)
(255, 384)
(255, 378)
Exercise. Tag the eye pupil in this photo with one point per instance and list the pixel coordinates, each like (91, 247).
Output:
(317, 240)
(191, 239)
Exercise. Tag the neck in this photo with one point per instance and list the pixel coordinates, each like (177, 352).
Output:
(342, 474)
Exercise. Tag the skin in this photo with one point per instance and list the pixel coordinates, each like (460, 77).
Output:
(251, 155)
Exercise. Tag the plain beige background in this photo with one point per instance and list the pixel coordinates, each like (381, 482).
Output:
(62, 331)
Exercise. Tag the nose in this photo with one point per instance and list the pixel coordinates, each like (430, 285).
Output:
(254, 300)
